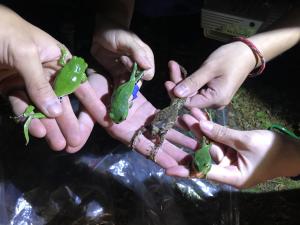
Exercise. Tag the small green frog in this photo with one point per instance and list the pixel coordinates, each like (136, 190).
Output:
(120, 98)
(28, 115)
(70, 76)
(202, 160)
(68, 79)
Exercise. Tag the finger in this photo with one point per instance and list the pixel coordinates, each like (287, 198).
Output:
(38, 87)
(179, 171)
(68, 123)
(18, 101)
(173, 151)
(192, 124)
(108, 59)
(169, 85)
(228, 159)
(232, 138)
(199, 114)
(181, 139)
(207, 98)
(88, 94)
(180, 124)
(175, 71)
(142, 54)
(54, 136)
(145, 146)
(127, 62)
(217, 153)
(228, 175)
(86, 123)
(193, 83)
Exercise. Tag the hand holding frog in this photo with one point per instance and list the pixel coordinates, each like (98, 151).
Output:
(141, 112)
(245, 158)
(24, 51)
(68, 79)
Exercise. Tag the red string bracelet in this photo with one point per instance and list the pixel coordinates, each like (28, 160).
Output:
(258, 56)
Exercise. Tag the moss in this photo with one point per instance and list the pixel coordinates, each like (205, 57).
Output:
(248, 112)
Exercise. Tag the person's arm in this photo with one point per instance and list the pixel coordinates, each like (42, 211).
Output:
(282, 36)
(224, 71)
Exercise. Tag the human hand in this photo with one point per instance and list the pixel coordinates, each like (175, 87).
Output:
(219, 77)
(245, 158)
(59, 131)
(140, 113)
(116, 48)
(25, 49)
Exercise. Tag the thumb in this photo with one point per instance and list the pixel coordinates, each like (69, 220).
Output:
(38, 87)
(223, 135)
(142, 54)
(193, 83)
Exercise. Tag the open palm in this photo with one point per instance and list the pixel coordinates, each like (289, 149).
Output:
(140, 114)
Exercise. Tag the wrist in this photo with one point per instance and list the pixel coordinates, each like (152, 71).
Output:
(245, 56)
(260, 62)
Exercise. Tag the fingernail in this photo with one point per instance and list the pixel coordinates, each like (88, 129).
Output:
(182, 90)
(206, 125)
(54, 108)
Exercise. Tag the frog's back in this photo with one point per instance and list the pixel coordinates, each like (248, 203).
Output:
(70, 76)
(119, 102)
(76, 65)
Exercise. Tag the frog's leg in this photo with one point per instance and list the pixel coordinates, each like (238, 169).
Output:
(28, 111)
(134, 138)
(37, 115)
(64, 53)
(26, 129)
(153, 153)
(83, 78)
(28, 115)
(161, 137)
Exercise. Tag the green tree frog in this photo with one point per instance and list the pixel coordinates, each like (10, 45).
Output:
(67, 80)
(71, 75)
(120, 103)
(29, 114)
(202, 160)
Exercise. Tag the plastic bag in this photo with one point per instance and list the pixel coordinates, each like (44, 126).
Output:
(103, 185)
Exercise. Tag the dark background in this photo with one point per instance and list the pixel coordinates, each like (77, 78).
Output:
(174, 37)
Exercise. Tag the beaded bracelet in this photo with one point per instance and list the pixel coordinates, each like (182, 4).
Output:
(258, 55)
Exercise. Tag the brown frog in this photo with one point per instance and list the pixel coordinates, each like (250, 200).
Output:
(163, 121)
